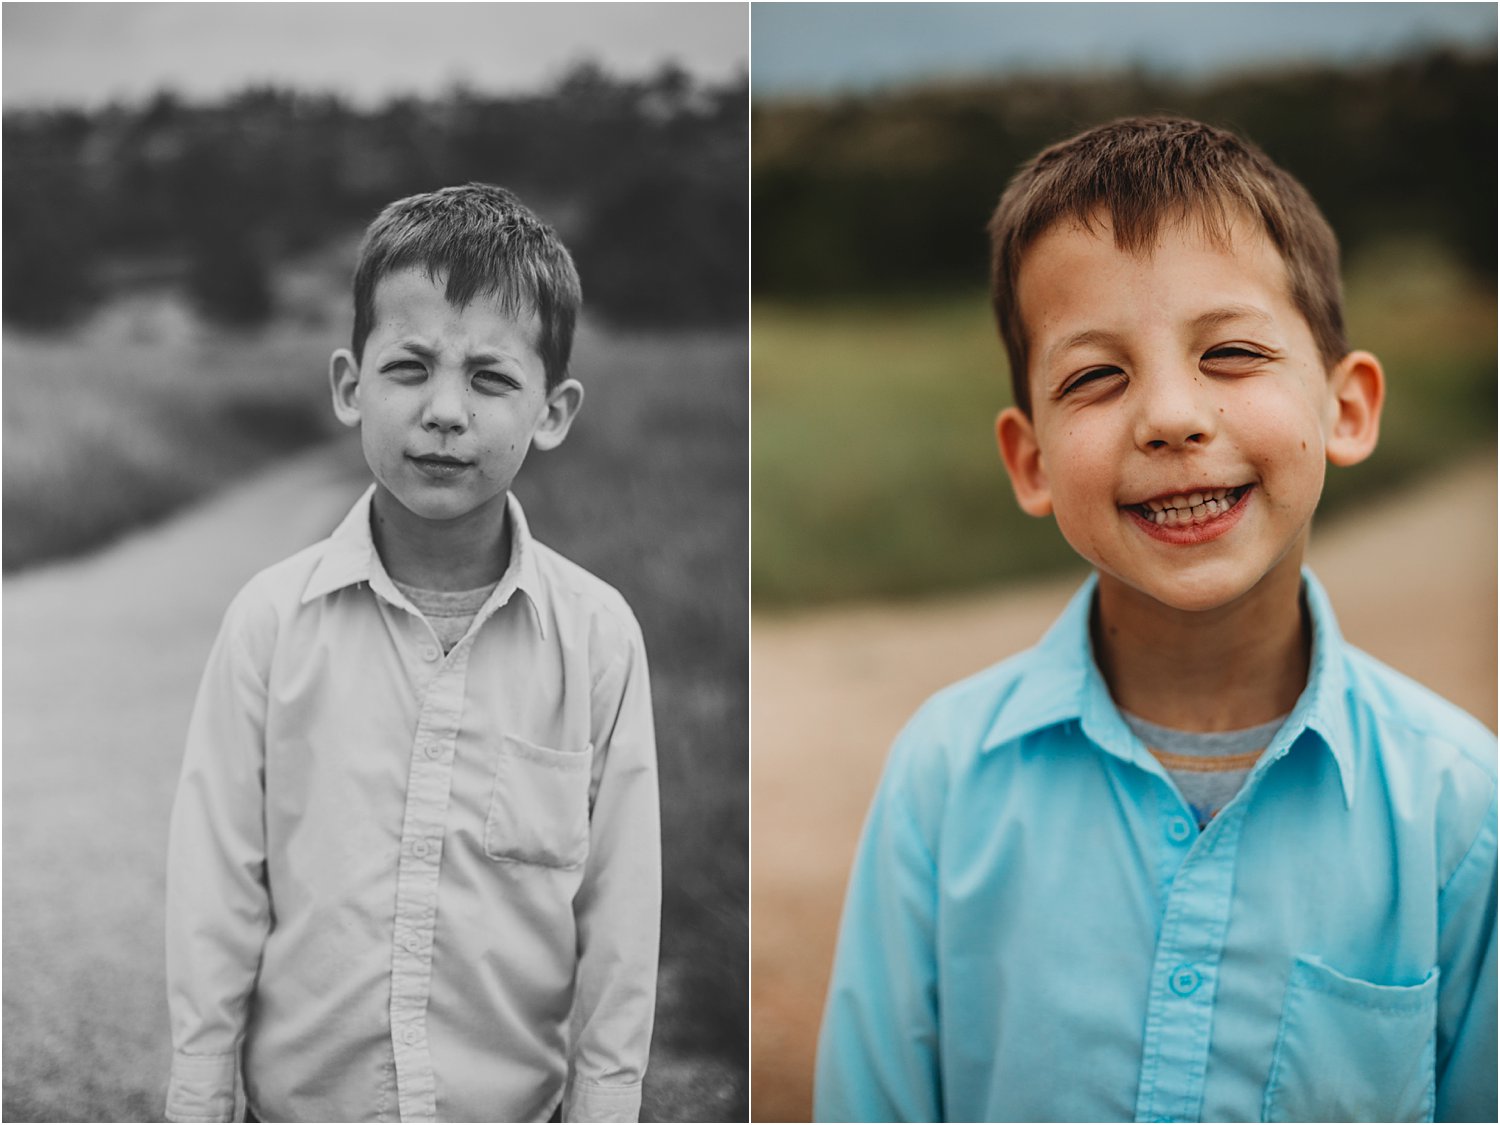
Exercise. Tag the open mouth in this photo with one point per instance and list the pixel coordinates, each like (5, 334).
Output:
(1190, 508)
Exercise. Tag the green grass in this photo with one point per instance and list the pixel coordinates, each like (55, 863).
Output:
(873, 452)
(144, 410)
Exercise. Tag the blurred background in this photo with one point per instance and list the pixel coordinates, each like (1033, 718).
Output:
(888, 555)
(185, 189)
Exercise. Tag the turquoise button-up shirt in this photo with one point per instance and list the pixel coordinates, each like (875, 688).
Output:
(1036, 930)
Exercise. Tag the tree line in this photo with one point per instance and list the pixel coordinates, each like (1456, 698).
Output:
(643, 178)
(891, 192)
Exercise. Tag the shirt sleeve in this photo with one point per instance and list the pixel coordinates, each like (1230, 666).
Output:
(218, 910)
(618, 906)
(1467, 1047)
(878, 1049)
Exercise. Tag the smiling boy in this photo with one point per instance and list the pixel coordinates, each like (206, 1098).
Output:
(1193, 857)
(414, 863)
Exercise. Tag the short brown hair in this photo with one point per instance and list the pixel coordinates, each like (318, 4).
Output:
(1143, 171)
(486, 242)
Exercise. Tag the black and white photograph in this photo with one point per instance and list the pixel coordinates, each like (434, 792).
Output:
(375, 584)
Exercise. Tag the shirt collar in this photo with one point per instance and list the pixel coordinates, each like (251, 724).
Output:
(349, 558)
(1062, 683)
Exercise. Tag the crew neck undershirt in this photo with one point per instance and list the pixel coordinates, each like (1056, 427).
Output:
(449, 612)
(1208, 767)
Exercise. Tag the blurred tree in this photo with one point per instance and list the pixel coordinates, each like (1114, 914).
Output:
(644, 178)
(892, 191)
(228, 279)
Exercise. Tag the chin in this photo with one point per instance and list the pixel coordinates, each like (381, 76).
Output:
(1201, 593)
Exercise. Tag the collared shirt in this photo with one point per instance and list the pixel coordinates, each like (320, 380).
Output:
(414, 886)
(1036, 930)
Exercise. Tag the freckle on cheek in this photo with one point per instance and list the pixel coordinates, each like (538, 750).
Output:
(1304, 445)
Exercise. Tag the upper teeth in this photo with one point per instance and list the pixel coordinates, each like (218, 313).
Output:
(1188, 500)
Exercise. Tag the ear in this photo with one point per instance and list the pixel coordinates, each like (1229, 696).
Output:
(1356, 392)
(343, 378)
(1016, 436)
(563, 402)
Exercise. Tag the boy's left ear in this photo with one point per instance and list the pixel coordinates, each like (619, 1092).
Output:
(1356, 392)
(563, 402)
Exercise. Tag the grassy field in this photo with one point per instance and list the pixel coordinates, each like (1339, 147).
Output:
(144, 410)
(873, 450)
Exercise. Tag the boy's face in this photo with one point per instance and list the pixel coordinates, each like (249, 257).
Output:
(448, 401)
(1181, 413)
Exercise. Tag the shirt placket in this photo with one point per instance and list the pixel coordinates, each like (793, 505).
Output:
(1184, 975)
(429, 782)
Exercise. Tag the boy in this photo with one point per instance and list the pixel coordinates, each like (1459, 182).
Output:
(1192, 857)
(414, 866)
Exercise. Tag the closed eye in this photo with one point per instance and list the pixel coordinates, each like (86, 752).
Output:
(1233, 354)
(405, 367)
(1091, 376)
(495, 382)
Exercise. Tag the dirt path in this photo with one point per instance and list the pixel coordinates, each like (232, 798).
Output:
(1414, 583)
(102, 658)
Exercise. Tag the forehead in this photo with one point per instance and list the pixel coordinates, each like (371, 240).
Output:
(1074, 280)
(412, 302)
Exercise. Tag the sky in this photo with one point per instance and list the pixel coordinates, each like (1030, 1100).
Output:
(825, 48)
(86, 54)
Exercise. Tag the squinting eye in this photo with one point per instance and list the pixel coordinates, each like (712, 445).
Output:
(494, 381)
(1090, 377)
(1232, 353)
(405, 369)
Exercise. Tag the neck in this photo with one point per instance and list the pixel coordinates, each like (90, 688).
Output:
(457, 554)
(1228, 668)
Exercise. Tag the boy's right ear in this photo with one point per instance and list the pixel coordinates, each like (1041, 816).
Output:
(1016, 436)
(343, 377)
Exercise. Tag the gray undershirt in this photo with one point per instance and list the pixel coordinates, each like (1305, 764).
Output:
(449, 612)
(1209, 767)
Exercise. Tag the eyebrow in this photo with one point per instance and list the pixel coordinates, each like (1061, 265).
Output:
(1213, 318)
(419, 348)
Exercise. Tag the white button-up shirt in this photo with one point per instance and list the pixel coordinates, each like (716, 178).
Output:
(414, 886)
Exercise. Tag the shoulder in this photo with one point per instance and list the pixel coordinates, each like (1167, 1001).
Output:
(1413, 718)
(582, 605)
(1429, 753)
(958, 724)
(263, 605)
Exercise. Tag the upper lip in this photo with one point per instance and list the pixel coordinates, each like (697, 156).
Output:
(446, 458)
(1186, 490)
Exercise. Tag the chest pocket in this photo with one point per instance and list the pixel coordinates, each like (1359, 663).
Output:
(1350, 1050)
(539, 807)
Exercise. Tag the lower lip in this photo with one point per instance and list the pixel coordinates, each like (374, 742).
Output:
(1190, 534)
(439, 470)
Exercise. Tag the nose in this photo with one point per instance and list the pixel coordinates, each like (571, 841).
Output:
(1175, 410)
(445, 409)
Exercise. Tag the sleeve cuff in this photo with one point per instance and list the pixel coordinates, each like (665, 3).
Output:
(201, 1088)
(586, 1101)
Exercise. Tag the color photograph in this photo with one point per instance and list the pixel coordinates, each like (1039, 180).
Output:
(890, 555)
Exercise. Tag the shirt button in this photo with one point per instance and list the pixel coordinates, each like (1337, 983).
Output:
(420, 849)
(412, 943)
(411, 1034)
(1185, 980)
(429, 652)
(1178, 829)
(434, 749)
